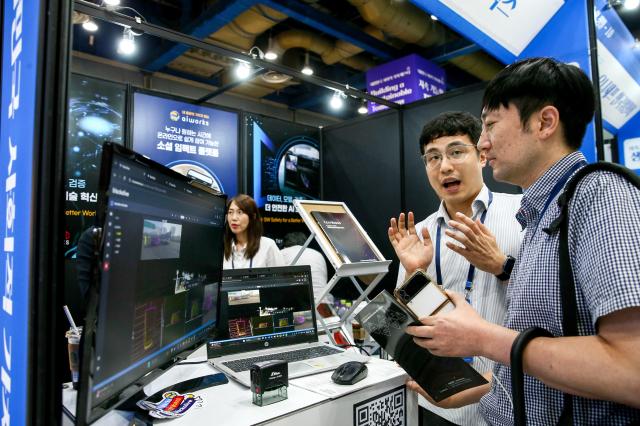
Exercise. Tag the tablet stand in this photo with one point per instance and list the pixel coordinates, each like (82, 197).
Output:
(376, 269)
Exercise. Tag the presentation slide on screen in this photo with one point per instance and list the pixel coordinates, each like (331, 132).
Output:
(196, 141)
(286, 166)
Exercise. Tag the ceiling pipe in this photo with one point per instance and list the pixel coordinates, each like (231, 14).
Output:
(177, 37)
(412, 25)
(404, 21)
(242, 31)
(240, 34)
(323, 47)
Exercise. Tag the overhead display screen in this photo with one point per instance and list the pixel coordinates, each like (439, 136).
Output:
(197, 141)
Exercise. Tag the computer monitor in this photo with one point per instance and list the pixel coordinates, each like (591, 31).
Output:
(159, 268)
(272, 306)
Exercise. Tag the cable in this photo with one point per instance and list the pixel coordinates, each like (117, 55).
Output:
(360, 347)
(494, 377)
(192, 362)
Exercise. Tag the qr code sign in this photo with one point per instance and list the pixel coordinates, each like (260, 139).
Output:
(387, 409)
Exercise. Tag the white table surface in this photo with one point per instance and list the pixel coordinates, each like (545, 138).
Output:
(231, 403)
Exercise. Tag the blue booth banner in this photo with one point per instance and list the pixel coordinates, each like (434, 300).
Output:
(405, 80)
(197, 141)
(20, 54)
(511, 30)
(504, 28)
(619, 68)
(631, 153)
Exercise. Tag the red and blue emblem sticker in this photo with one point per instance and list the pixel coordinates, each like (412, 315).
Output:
(172, 405)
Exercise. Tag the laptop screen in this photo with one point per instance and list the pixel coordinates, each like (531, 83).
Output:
(264, 308)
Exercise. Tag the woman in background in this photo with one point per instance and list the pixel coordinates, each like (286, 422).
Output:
(244, 245)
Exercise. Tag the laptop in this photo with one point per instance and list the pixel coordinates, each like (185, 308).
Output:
(267, 314)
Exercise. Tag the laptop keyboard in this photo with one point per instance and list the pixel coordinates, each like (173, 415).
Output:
(292, 356)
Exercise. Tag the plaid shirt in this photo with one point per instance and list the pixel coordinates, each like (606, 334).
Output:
(604, 231)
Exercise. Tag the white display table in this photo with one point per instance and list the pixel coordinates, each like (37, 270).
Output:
(313, 400)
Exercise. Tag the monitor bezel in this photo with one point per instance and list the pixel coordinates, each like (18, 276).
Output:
(86, 411)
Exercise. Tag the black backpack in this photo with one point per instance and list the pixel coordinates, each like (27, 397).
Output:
(567, 292)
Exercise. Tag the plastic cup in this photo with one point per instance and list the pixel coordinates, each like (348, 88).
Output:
(73, 345)
(358, 332)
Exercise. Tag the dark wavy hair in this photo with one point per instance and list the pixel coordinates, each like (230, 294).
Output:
(534, 83)
(254, 229)
(453, 123)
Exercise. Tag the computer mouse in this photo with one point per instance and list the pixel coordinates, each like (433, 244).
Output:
(349, 373)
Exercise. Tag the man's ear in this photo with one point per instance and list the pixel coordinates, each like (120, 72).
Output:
(548, 121)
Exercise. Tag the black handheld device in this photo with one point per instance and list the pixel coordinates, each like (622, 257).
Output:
(422, 296)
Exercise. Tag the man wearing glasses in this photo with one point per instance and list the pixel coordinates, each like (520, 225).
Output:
(472, 239)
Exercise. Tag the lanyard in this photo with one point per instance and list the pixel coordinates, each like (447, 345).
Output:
(555, 191)
(233, 264)
(472, 269)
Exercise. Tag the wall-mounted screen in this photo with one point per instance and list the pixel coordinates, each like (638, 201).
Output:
(96, 113)
(286, 167)
(197, 141)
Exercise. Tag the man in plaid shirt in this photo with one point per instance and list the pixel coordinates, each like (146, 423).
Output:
(535, 113)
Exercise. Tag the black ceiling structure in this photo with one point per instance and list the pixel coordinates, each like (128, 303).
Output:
(171, 28)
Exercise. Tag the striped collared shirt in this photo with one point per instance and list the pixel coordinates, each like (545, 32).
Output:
(604, 230)
(488, 296)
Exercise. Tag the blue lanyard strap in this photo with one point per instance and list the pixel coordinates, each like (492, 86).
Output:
(472, 269)
(555, 191)
(233, 264)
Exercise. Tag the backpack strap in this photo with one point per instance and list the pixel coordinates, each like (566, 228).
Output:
(567, 284)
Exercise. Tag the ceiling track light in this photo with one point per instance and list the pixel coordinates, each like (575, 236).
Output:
(624, 4)
(337, 100)
(362, 110)
(90, 25)
(127, 44)
(111, 3)
(306, 70)
(270, 54)
(243, 70)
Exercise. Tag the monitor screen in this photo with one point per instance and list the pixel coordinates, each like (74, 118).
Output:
(264, 307)
(160, 267)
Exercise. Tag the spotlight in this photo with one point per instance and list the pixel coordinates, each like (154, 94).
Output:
(127, 44)
(362, 110)
(636, 44)
(631, 4)
(307, 70)
(111, 2)
(243, 70)
(90, 26)
(434, 18)
(270, 54)
(336, 101)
